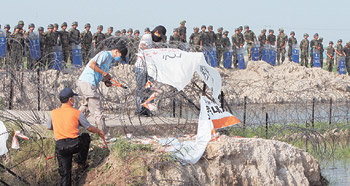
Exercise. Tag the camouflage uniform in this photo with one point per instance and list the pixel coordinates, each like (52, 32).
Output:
(241, 36)
(262, 41)
(338, 48)
(218, 44)
(320, 46)
(313, 46)
(182, 31)
(8, 33)
(330, 57)
(346, 51)
(74, 37)
(64, 36)
(271, 38)
(175, 38)
(226, 44)
(304, 51)
(50, 42)
(17, 49)
(291, 41)
(249, 38)
(86, 42)
(195, 41)
(42, 42)
(97, 38)
(107, 35)
(212, 36)
(236, 43)
(282, 40)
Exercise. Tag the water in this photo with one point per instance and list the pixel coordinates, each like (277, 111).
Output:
(337, 172)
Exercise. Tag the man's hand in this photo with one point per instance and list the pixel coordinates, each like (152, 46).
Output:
(101, 134)
(106, 76)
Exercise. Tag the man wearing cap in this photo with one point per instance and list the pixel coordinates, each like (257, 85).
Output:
(262, 41)
(147, 30)
(21, 29)
(226, 44)
(65, 122)
(182, 31)
(95, 71)
(330, 56)
(109, 32)
(175, 38)
(339, 51)
(117, 33)
(98, 37)
(346, 52)
(211, 35)
(86, 42)
(50, 42)
(236, 44)
(320, 46)
(56, 34)
(218, 45)
(16, 45)
(313, 47)
(137, 37)
(8, 33)
(282, 40)
(42, 41)
(64, 36)
(304, 50)
(123, 32)
(74, 38)
(249, 38)
(271, 38)
(28, 36)
(291, 41)
(130, 31)
(195, 39)
(241, 36)
(204, 39)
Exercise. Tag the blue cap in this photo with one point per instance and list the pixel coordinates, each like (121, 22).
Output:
(67, 93)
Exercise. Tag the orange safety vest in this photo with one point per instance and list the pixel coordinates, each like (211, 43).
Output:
(65, 121)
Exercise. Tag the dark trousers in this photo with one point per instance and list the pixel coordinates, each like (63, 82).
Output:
(65, 149)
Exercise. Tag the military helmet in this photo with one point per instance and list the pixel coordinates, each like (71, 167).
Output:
(307, 35)
(240, 27)
(7, 26)
(237, 29)
(41, 28)
(220, 29)
(55, 25)
(246, 27)
(281, 30)
(75, 23)
(31, 25)
(123, 31)
(118, 31)
(147, 29)
(64, 24)
(292, 32)
(87, 25)
(195, 28)
(210, 27)
(137, 32)
(316, 35)
(50, 26)
(110, 28)
(20, 22)
(225, 32)
(321, 39)
(331, 42)
(348, 43)
(182, 22)
(203, 26)
(175, 30)
(263, 30)
(100, 26)
(18, 27)
(130, 30)
(340, 40)
(270, 30)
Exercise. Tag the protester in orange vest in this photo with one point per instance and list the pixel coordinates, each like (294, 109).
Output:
(64, 122)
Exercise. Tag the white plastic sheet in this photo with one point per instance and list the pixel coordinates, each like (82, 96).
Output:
(3, 138)
(176, 68)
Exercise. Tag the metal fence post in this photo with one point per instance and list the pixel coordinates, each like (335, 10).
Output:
(267, 125)
(244, 112)
(38, 87)
(313, 113)
(330, 112)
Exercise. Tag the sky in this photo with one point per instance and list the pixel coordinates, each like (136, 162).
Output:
(328, 18)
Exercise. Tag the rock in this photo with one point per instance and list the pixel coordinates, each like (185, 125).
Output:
(243, 161)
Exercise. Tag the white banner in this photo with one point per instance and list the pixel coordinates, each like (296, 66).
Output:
(176, 68)
(3, 138)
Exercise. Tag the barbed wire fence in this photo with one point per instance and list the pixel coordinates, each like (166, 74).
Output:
(27, 95)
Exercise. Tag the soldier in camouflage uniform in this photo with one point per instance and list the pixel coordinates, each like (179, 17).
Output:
(195, 39)
(42, 42)
(330, 56)
(74, 37)
(320, 46)
(313, 46)
(249, 38)
(346, 52)
(21, 29)
(182, 31)
(226, 44)
(175, 38)
(204, 42)
(339, 51)
(304, 50)
(17, 48)
(262, 41)
(50, 42)
(97, 38)
(64, 37)
(291, 41)
(118, 33)
(56, 33)
(241, 36)
(218, 44)
(282, 40)
(109, 32)
(236, 44)
(147, 30)
(137, 37)
(271, 38)
(8, 33)
(123, 32)
(28, 35)
(212, 36)
(86, 43)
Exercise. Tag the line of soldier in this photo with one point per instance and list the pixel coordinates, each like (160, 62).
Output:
(18, 42)
(221, 42)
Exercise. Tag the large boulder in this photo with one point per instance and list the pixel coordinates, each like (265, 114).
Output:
(243, 161)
